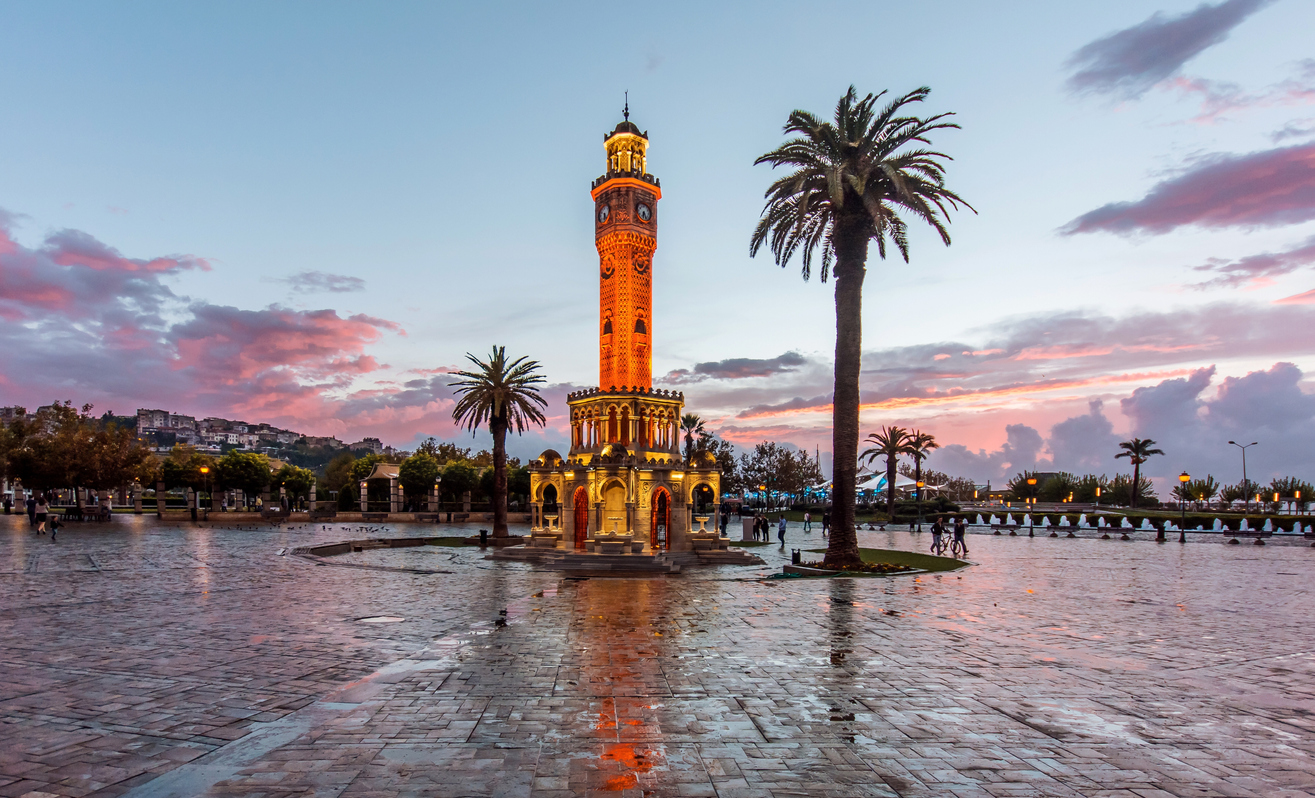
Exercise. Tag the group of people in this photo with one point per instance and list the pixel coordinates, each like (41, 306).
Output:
(958, 545)
(762, 528)
(39, 516)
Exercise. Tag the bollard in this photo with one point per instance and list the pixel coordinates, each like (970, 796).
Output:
(483, 537)
(794, 556)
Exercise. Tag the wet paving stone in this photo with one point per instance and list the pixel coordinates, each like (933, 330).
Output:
(145, 659)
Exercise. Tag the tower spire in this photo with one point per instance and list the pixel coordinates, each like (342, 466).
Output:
(626, 112)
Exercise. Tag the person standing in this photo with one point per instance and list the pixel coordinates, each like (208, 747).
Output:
(959, 546)
(826, 522)
(808, 521)
(724, 519)
(42, 510)
(780, 529)
(32, 510)
(8, 504)
(937, 529)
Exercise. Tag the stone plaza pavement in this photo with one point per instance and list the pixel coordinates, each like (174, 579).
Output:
(148, 660)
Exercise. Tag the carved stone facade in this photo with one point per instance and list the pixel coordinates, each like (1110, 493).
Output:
(623, 486)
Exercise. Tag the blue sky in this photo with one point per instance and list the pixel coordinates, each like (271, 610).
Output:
(424, 169)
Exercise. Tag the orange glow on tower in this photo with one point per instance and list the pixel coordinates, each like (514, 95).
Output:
(625, 232)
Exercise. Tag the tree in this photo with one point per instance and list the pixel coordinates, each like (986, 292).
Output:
(295, 480)
(852, 183)
(1288, 488)
(920, 445)
(244, 471)
(442, 451)
(890, 443)
(459, 477)
(338, 473)
(1085, 490)
(1196, 490)
(182, 468)
(1058, 488)
(1020, 488)
(1138, 451)
(1121, 490)
(502, 395)
(1242, 491)
(418, 473)
(691, 425)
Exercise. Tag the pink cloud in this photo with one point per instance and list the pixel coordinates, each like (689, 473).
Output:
(1258, 189)
(1304, 298)
(1258, 270)
(76, 248)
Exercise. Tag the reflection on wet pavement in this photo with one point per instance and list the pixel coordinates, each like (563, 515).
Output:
(1051, 667)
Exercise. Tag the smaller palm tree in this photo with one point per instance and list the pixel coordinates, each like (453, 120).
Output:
(692, 425)
(502, 395)
(1138, 451)
(891, 443)
(920, 445)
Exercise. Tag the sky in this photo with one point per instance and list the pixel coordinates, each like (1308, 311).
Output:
(309, 213)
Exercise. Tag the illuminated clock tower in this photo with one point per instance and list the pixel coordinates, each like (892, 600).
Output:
(625, 231)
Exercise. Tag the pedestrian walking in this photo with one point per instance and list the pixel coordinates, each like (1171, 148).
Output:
(54, 527)
(826, 522)
(959, 547)
(780, 529)
(762, 528)
(808, 521)
(7, 504)
(32, 511)
(937, 529)
(42, 510)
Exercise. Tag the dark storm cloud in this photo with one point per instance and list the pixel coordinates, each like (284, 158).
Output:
(1258, 189)
(1129, 62)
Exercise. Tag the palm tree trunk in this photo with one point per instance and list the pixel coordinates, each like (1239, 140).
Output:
(851, 254)
(498, 426)
(1136, 482)
(891, 476)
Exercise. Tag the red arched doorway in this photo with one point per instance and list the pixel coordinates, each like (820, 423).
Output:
(661, 517)
(581, 517)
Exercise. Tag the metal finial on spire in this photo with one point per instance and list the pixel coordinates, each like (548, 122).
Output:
(627, 110)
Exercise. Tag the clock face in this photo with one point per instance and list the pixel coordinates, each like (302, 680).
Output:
(645, 212)
(603, 213)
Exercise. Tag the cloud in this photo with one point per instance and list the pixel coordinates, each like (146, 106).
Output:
(1257, 269)
(1296, 129)
(99, 326)
(1129, 62)
(310, 282)
(1258, 189)
(1220, 98)
(1304, 298)
(737, 368)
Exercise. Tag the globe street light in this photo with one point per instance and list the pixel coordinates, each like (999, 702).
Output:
(1246, 486)
(1184, 478)
(205, 472)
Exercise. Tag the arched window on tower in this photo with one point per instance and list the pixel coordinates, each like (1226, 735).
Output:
(607, 327)
(641, 327)
(611, 425)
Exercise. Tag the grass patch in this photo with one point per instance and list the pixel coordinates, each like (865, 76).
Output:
(912, 559)
(447, 542)
(748, 543)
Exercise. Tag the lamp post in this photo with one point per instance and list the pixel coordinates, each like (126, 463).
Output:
(919, 485)
(1031, 520)
(1183, 478)
(205, 472)
(1275, 502)
(1098, 497)
(1296, 509)
(1246, 485)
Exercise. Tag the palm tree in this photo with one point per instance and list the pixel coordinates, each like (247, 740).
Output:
(692, 425)
(1138, 451)
(891, 442)
(920, 445)
(850, 183)
(501, 395)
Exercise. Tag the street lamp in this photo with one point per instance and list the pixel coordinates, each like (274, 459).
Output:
(1031, 521)
(919, 484)
(1098, 497)
(1245, 484)
(1184, 478)
(205, 472)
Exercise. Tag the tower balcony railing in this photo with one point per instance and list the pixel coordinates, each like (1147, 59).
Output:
(658, 393)
(633, 174)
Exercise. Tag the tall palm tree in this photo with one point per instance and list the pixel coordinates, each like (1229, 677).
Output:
(692, 425)
(891, 443)
(852, 182)
(920, 445)
(502, 395)
(1138, 451)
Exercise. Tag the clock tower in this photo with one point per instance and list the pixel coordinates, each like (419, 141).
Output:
(625, 232)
